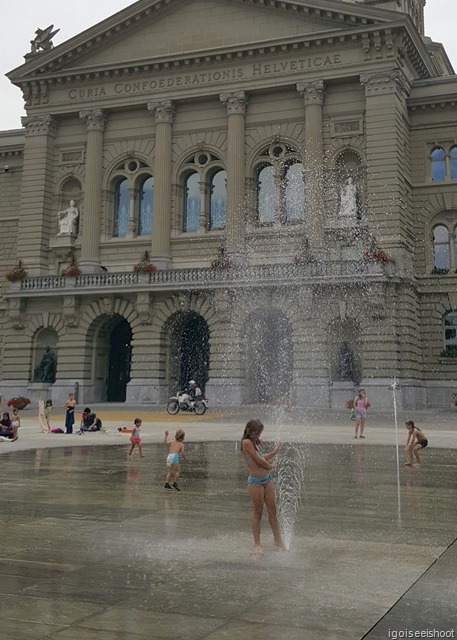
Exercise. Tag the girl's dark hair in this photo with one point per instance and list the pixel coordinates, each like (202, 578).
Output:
(410, 423)
(49, 403)
(252, 431)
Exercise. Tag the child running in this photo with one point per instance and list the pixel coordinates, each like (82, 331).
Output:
(260, 484)
(412, 448)
(135, 438)
(175, 452)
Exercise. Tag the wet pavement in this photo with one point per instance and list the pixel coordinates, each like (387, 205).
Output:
(94, 548)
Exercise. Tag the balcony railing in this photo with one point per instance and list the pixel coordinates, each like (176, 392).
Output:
(206, 278)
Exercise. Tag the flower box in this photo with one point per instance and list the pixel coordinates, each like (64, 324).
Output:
(17, 273)
(144, 265)
(18, 402)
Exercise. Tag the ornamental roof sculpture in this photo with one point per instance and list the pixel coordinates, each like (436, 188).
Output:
(43, 39)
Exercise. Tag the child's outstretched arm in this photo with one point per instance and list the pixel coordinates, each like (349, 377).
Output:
(274, 452)
(165, 438)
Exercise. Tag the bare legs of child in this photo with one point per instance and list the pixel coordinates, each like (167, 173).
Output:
(413, 452)
(264, 495)
(172, 470)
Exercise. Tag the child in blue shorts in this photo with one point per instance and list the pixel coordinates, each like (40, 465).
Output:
(175, 452)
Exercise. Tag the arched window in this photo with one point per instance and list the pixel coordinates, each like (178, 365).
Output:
(145, 206)
(218, 200)
(121, 208)
(266, 195)
(280, 186)
(453, 162)
(192, 202)
(438, 162)
(294, 192)
(450, 331)
(441, 249)
(204, 193)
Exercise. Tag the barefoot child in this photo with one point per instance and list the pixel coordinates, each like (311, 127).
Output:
(260, 483)
(175, 451)
(135, 438)
(412, 448)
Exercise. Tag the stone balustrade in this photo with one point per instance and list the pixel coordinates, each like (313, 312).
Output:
(205, 278)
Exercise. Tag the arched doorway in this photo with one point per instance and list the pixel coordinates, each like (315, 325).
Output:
(119, 359)
(269, 358)
(188, 351)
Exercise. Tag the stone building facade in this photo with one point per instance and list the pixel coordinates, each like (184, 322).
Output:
(291, 169)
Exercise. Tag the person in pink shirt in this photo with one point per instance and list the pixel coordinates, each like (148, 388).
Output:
(361, 405)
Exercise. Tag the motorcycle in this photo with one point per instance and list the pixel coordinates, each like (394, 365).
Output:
(182, 402)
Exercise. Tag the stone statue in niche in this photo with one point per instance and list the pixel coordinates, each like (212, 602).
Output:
(348, 203)
(46, 370)
(67, 220)
(345, 364)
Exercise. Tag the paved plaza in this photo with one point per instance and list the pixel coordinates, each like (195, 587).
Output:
(94, 548)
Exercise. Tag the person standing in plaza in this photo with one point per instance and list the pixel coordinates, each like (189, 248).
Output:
(47, 415)
(415, 441)
(135, 438)
(175, 452)
(70, 407)
(260, 483)
(361, 405)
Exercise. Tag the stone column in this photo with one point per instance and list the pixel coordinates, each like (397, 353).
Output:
(388, 163)
(236, 105)
(313, 97)
(205, 207)
(37, 220)
(90, 244)
(164, 114)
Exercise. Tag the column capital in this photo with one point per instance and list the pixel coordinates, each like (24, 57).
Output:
(95, 119)
(164, 111)
(40, 125)
(236, 102)
(385, 82)
(312, 92)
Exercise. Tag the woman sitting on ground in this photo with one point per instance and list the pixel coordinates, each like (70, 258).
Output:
(6, 428)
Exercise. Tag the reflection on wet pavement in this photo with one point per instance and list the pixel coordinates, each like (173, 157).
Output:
(94, 546)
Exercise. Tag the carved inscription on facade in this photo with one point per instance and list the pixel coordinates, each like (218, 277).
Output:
(253, 71)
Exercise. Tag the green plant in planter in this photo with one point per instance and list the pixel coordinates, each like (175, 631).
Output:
(145, 265)
(449, 353)
(438, 271)
(17, 273)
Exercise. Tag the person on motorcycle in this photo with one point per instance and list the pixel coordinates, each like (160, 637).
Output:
(192, 392)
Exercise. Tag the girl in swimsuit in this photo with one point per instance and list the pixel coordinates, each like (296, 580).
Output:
(260, 485)
(412, 448)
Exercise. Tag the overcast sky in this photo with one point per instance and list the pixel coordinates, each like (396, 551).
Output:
(20, 19)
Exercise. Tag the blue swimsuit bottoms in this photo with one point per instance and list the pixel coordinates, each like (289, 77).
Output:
(262, 481)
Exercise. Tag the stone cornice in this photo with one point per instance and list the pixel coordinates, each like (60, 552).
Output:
(392, 81)
(343, 13)
(44, 125)
(368, 36)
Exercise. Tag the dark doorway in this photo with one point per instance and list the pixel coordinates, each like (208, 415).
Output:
(119, 361)
(269, 352)
(189, 351)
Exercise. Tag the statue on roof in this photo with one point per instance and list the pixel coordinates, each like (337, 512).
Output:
(43, 39)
